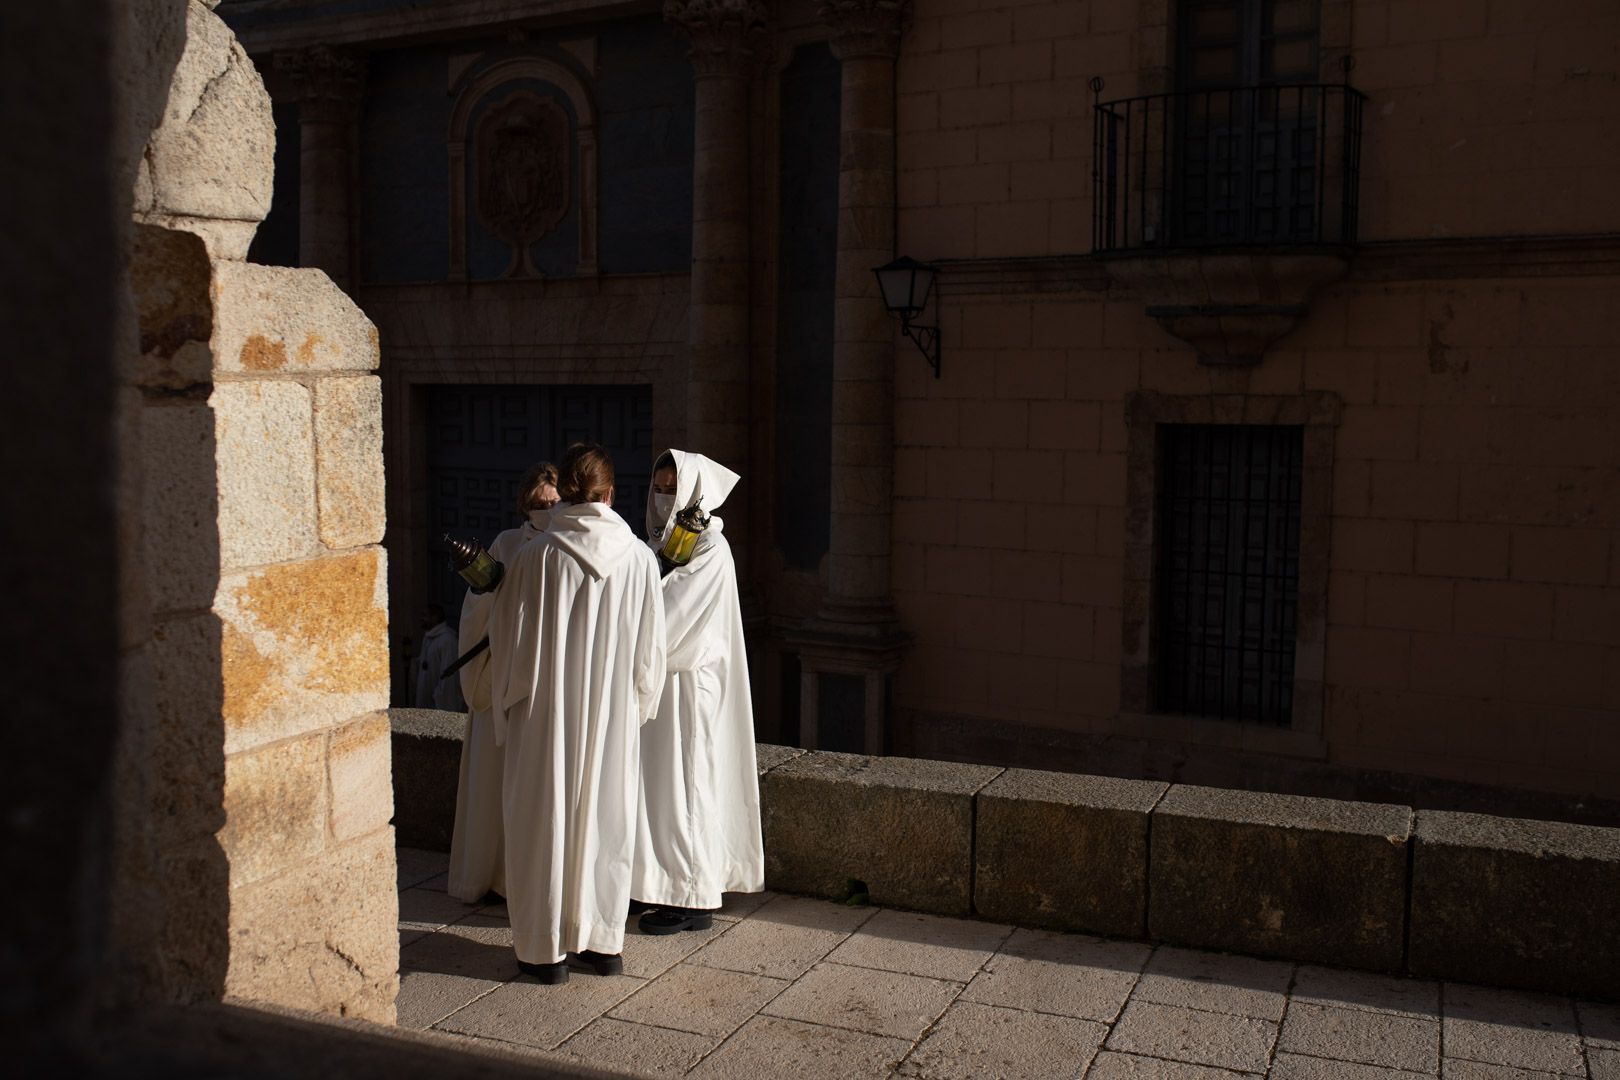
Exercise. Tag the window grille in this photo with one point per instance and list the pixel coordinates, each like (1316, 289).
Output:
(1227, 575)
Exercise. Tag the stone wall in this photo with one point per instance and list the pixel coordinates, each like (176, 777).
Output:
(1365, 885)
(267, 774)
(1467, 627)
(1480, 120)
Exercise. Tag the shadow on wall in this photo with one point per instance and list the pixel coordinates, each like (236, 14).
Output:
(184, 773)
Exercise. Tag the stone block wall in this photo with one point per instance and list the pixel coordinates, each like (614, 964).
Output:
(1480, 119)
(260, 523)
(1473, 593)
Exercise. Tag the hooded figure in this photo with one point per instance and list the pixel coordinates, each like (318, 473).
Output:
(477, 863)
(577, 661)
(697, 832)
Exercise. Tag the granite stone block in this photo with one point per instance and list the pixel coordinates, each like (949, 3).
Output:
(1280, 875)
(1514, 902)
(902, 826)
(1064, 852)
(427, 771)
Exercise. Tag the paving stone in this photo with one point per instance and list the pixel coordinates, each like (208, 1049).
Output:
(1458, 1069)
(529, 1014)
(417, 866)
(647, 956)
(476, 948)
(1241, 1043)
(615, 1044)
(877, 1002)
(1605, 1064)
(707, 1001)
(973, 1040)
(1365, 990)
(739, 905)
(1507, 1027)
(428, 909)
(774, 1047)
(1299, 1067)
(426, 997)
(784, 938)
(1216, 982)
(1060, 973)
(1396, 1042)
(1600, 1024)
(914, 944)
(1111, 1065)
(438, 883)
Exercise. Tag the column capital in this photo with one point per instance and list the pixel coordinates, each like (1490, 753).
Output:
(864, 27)
(324, 74)
(724, 33)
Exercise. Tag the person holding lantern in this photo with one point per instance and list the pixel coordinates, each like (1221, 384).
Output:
(477, 849)
(576, 666)
(698, 828)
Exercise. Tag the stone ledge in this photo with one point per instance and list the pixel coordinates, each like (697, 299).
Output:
(1064, 852)
(1280, 875)
(1514, 902)
(904, 827)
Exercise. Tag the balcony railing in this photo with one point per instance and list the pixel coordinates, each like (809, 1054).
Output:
(1207, 168)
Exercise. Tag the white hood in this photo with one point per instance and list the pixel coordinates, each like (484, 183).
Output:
(593, 534)
(696, 477)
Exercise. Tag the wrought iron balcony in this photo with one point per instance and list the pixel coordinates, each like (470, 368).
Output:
(1253, 165)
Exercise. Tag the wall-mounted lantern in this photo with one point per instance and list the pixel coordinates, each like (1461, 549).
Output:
(906, 284)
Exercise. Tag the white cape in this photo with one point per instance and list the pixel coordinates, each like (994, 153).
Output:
(577, 660)
(697, 830)
(477, 863)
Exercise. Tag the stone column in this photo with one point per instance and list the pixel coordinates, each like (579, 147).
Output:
(724, 35)
(329, 84)
(851, 647)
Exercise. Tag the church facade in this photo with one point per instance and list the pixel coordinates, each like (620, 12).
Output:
(1261, 427)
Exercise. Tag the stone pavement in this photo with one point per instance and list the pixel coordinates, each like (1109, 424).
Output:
(786, 986)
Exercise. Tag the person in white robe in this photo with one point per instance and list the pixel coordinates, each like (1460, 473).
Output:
(577, 662)
(433, 690)
(477, 852)
(698, 828)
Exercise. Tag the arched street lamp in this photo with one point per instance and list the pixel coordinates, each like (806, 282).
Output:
(906, 284)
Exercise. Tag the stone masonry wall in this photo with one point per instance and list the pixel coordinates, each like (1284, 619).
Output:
(1473, 606)
(1480, 120)
(262, 517)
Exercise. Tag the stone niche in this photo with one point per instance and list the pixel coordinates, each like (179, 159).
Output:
(1229, 305)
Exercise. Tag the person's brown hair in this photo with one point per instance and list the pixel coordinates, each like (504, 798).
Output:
(585, 475)
(539, 475)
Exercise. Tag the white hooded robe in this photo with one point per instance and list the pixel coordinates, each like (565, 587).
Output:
(577, 660)
(698, 830)
(438, 652)
(477, 855)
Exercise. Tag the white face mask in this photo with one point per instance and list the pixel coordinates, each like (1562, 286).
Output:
(662, 505)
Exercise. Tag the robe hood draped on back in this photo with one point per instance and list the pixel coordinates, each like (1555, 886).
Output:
(593, 534)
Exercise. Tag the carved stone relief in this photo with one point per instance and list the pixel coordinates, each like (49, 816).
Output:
(525, 171)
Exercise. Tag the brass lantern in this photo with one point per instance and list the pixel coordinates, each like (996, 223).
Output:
(683, 535)
(477, 567)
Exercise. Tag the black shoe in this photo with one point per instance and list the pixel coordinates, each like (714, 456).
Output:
(675, 919)
(601, 963)
(638, 906)
(547, 974)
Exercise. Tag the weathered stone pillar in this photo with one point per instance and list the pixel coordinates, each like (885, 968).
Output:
(849, 649)
(724, 34)
(329, 86)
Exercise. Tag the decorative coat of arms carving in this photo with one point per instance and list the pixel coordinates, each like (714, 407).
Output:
(525, 171)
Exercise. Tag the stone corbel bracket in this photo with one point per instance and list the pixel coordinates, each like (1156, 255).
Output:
(1230, 306)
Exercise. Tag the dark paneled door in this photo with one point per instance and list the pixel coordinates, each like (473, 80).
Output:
(481, 439)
